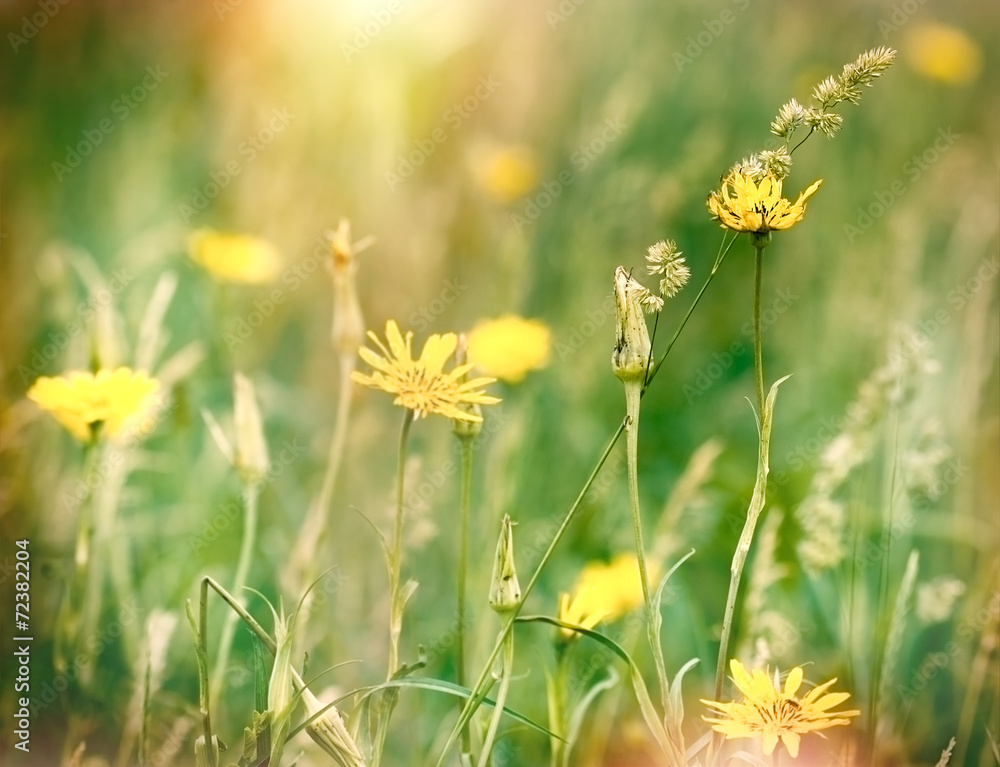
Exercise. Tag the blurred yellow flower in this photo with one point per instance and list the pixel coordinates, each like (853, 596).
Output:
(744, 205)
(603, 591)
(943, 53)
(509, 346)
(506, 173)
(110, 403)
(234, 257)
(422, 385)
(770, 711)
(580, 610)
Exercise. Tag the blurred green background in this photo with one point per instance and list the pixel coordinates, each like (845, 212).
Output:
(596, 130)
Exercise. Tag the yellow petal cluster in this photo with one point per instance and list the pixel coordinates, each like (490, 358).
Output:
(603, 591)
(234, 257)
(506, 173)
(509, 347)
(110, 402)
(745, 205)
(771, 711)
(421, 384)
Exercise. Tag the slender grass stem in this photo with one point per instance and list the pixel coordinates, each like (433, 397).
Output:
(467, 443)
(316, 523)
(251, 497)
(719, 258)
(396, 552)
(73, 604)
(506, 672)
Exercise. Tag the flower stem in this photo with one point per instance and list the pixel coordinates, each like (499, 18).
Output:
(506, 672)
(396, 552)
(633, 395)
(463, 560)
(758, 354)
(251, 495)
(746, 537)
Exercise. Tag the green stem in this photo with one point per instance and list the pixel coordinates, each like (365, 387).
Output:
(251, 495)
(396, 552)
(719, 258)
(746, 537)
(475, 698)
(74, 599)
(301, 567)
(633, 395)
(556, 700)
(505, 674)
(473, 702)
(758, 353)
(463, 563)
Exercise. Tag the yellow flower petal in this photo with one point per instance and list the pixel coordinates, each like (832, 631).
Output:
(421, 385)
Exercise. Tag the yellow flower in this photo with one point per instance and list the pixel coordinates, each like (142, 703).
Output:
(509, 346)
(943, 53)
(112, 402)
(744, 205)
(580, 610)
(506, 173)
(603, 591)
(422, 385)
(234, 257)
(772, 712)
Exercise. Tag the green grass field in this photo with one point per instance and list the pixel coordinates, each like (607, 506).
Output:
(495, 159)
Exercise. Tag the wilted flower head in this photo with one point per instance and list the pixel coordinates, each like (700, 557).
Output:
(509, 346)
(234, 257)
(109, 403)
(771, 711)
(422, 385)
(348, 323)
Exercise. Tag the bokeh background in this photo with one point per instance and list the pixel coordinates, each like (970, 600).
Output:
(547, 143)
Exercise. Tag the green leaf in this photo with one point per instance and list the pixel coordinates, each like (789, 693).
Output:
(449, 688)
(638, 685)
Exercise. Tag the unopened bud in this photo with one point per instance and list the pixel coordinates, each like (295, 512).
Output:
(250, 456)
(505, 591)
(348, 323)
(632, 346)
(330, 733)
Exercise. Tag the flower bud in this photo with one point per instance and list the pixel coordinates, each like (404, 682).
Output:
(250, 457)
(632, 346)
(505, 591)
